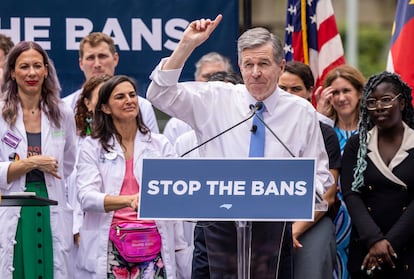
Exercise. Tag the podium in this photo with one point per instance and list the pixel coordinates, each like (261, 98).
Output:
(244, 206)
(25, 200)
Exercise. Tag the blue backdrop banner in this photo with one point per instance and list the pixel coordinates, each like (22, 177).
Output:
(144, 32)
(260, 189)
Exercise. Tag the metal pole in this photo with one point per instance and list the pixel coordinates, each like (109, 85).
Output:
(352, 32)
(244, 248)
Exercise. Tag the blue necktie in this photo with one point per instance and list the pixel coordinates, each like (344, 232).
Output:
(257, 138)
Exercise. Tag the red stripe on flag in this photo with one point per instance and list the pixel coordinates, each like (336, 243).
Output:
(402, 53)
(327, 30)
(327, 33)
(298, 46)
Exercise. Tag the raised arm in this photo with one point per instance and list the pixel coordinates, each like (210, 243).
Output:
(194, 35)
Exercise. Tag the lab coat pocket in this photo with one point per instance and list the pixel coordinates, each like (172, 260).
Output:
(62, 223)
(87, 256)
(61, 219)
(58, 152)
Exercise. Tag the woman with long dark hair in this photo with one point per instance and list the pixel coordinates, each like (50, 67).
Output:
(108, 180)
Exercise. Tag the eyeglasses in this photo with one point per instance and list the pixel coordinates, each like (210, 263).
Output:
(385, 102)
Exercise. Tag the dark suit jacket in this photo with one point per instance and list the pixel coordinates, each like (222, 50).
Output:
(384, 209)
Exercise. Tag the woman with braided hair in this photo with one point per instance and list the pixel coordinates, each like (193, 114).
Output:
(378, 182)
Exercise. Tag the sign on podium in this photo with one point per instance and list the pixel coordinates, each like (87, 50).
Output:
(255, 189)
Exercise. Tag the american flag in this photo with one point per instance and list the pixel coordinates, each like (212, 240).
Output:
(401, 55)
(311, 36)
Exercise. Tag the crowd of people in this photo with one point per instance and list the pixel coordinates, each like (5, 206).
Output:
(86, 151)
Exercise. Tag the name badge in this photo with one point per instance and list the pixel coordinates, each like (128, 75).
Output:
(111, 155)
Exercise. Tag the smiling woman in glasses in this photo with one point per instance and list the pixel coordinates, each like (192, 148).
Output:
(378, 182)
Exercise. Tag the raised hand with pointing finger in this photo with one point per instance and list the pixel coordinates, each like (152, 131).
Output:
(197, 32)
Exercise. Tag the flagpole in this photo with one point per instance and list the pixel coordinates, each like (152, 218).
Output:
(351, 32)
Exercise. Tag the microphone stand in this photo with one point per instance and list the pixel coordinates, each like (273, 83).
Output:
(244, 228)
(244, 248)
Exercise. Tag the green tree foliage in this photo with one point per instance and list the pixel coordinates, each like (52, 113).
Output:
(373, 46)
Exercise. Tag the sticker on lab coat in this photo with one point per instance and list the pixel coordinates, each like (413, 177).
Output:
(14, 157)
(11, 139)
(110, 155)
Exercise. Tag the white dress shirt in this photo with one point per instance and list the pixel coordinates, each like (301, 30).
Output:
(212, 107)
(175, 128)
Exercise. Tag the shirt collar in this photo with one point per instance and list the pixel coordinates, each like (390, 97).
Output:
(407, 144)
(270, 102)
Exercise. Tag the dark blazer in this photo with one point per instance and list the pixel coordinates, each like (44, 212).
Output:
(384, 209)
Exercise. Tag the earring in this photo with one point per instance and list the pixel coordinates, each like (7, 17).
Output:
(88, 121)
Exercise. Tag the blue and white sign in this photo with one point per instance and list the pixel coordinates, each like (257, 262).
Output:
(257, 189)
(143, 31)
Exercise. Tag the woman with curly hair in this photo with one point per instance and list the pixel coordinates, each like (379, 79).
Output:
(84, 110)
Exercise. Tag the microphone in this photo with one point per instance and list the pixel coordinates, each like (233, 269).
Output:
(253, 129)
(255, 108)
(258, 106)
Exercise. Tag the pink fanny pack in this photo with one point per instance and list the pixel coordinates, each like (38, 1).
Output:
(136, 242)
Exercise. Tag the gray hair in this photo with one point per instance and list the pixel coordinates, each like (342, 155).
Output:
(212, 57)
(259, 36)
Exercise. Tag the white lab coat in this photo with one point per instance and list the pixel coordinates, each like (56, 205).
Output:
(97, 176)
(56, 142)
(150, 121)
(72, 195)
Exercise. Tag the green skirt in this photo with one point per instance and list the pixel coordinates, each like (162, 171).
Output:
(33, 252)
